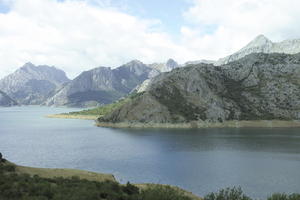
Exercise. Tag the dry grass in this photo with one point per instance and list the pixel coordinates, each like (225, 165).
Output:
(65, 173)
(70, 116)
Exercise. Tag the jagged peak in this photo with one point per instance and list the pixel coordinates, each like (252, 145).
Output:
(28, 64)
(259, 41)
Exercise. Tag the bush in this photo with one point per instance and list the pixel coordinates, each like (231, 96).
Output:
(159, 192)
(228, 194)
(284, 197)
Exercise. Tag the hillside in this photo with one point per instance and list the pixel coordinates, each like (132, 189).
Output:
(256, 87)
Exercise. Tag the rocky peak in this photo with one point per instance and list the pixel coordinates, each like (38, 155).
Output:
(31, 84)
(171, 64)
(260, 40)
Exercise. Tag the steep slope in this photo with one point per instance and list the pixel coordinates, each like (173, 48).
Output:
(261, 44)
(5, 100)
(101, 85)
(32, 84)
(256, 87)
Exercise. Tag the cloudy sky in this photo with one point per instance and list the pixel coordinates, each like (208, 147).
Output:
(77, 35)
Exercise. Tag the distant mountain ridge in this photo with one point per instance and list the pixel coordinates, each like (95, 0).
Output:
(32, 84)
(261, 44)
(102, 85)
(6, 101)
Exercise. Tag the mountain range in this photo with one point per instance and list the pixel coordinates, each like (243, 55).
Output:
(44, 85)
(255, 87)
(102, 85)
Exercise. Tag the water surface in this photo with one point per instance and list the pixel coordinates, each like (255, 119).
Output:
(260, 160)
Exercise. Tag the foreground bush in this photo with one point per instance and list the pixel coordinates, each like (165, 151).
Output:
(284, 197)
(157, 192)
(228, 194)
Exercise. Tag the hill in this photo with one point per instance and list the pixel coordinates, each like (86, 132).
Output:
(256, 87)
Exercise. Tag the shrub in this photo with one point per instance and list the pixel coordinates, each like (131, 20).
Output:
(284, 197)
(159, 192)
(228, 194)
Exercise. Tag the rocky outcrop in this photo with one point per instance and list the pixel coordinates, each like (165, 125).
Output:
(165, 67)
(32, 84)
(256, 87)
(102, 85)
(261, 44)
(6, 101)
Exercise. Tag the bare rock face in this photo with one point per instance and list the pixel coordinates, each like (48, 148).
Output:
(32, 84)
(261, 44)
(101, 85)
(165, 67)
(256, 87)
(6, 101)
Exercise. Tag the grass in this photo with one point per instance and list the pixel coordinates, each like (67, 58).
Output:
(65, 173)
(92, 114)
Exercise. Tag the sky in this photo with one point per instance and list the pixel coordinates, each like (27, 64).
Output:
(78, 35)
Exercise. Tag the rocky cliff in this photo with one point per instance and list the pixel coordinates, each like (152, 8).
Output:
(5, 100)
(165, 67)
(256, 87)
(102, 85)
(32, 84)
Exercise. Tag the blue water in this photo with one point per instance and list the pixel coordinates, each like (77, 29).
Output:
(261, 161)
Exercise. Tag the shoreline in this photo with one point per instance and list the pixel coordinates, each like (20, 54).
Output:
(70, 116)
(226, 124)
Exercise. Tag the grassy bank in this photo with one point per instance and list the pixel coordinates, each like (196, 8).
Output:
(27, 183)
(226, 124)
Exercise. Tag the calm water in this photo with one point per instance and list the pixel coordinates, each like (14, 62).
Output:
(261, 161)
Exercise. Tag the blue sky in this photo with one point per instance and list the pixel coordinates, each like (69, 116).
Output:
(77, 35)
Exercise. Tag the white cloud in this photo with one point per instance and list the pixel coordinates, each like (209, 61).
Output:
(76, 36)
(221, 27)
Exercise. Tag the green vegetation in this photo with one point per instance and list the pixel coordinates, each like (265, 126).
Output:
(228, 194)
(15, 185)
(105, 109)
(102, 110)
(237, 194)
(20, 186)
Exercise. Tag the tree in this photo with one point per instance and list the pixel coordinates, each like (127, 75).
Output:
(1, 157)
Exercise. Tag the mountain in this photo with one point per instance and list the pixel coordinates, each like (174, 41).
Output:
(5, 100)
(102, 85)
(262, 44)
(256, 87)
(32, 84)
(165, 67)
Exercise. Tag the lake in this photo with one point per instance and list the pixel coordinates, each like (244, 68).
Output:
(260, 160)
